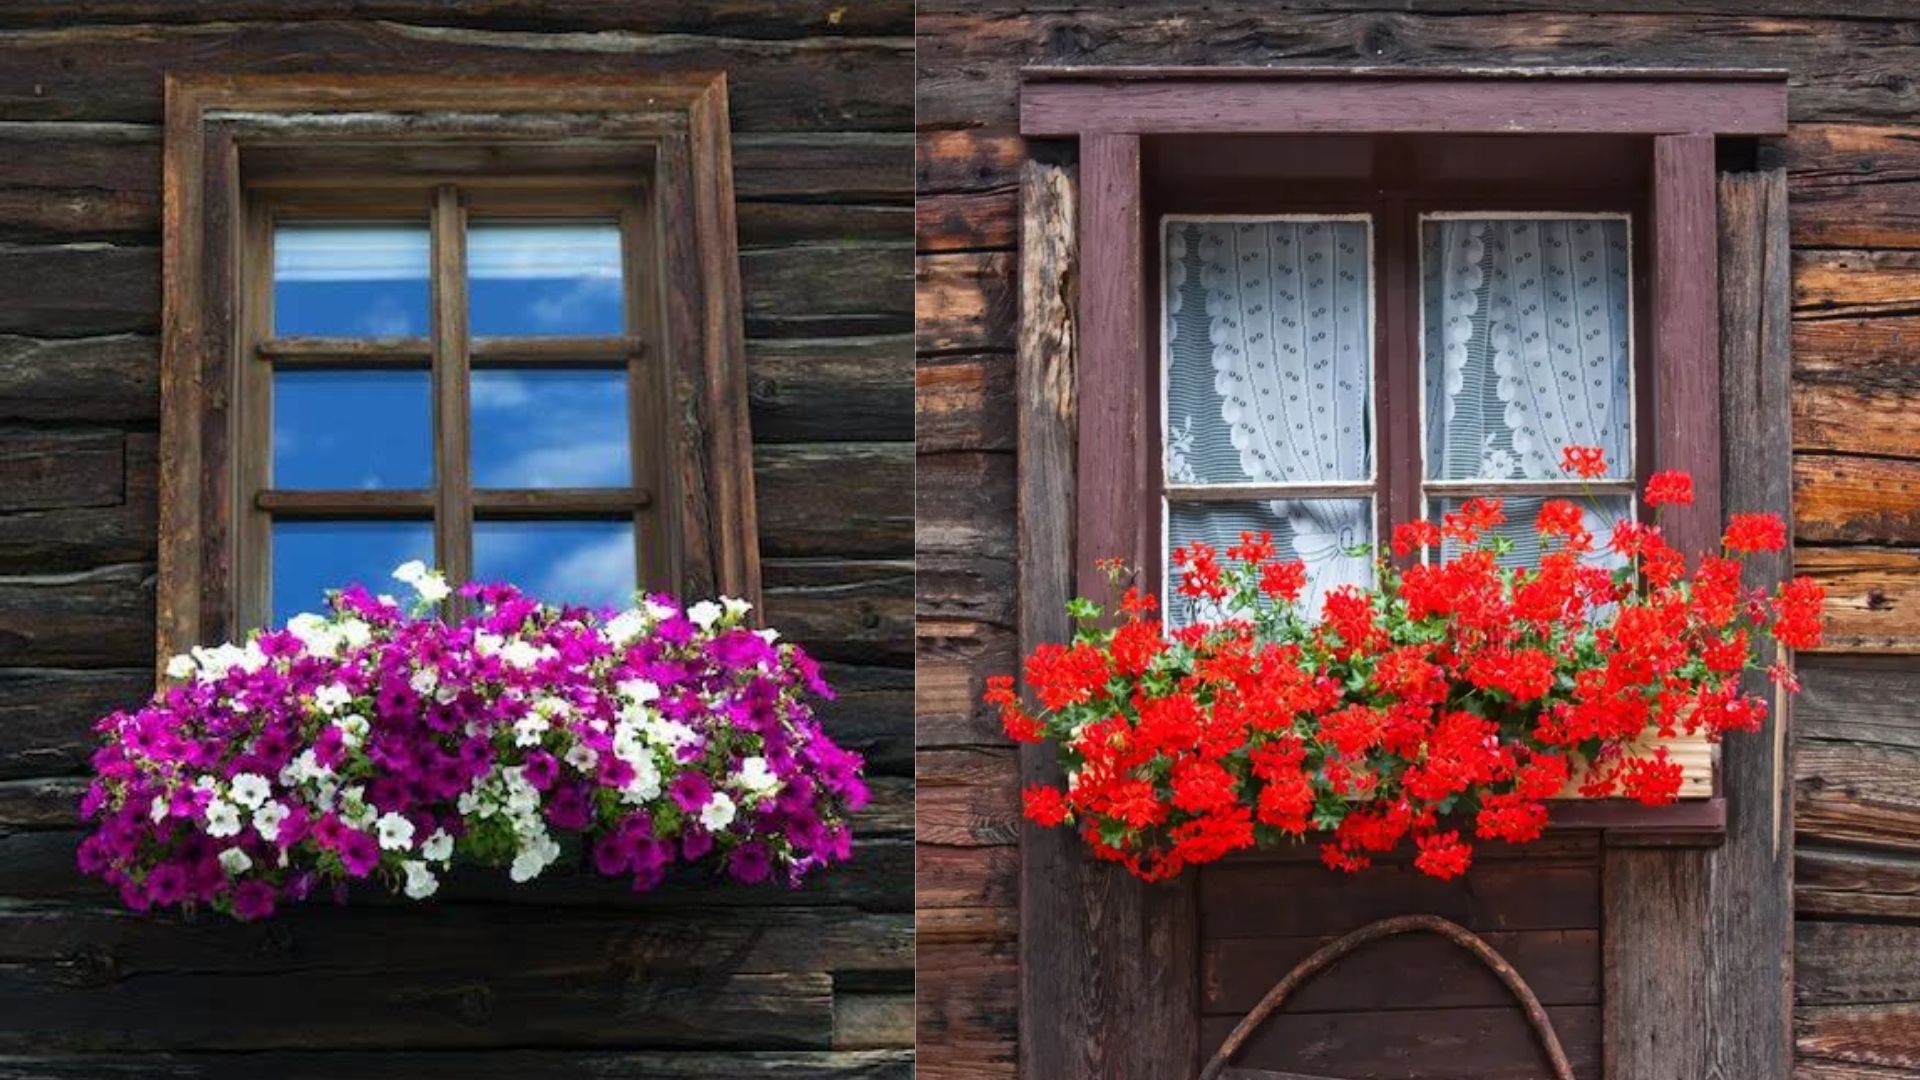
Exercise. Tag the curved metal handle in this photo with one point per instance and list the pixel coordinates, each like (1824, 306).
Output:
(1325, 956)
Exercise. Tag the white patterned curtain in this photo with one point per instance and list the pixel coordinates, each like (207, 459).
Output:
(1528, 331)
(1268, 381)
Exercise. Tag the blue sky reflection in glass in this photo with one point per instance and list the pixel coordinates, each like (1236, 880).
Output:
(550, 428)
(350, 279)
(352, 430)
(544, 279)
(561, 562)
(311, 557)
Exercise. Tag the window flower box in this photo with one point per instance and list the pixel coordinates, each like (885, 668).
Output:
(1458, 695)
(378, 744)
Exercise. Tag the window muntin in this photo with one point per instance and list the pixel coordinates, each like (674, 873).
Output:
(1267, 377)
(512, 423)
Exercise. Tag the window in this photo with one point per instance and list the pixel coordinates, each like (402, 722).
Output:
(1354, 331)
(517, 336)
(493, 328)
(1270, 396)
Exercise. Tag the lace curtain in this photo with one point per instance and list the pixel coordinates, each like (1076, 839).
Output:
(1269, 355)
(1528, 331)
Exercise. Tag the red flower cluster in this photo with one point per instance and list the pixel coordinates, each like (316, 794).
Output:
(1452, 694)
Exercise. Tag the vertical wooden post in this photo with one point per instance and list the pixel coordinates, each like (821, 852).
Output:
(1699, 943)
(1686, 338)
(1750, 905)
(1108, 984)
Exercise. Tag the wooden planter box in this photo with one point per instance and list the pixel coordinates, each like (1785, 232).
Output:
(1694, 753)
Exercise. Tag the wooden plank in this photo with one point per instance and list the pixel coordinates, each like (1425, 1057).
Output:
(952, 660)
(1870, 1035)
(1858, 418)
(1844, 963)
(1872, 352)
(965, 403)
(1562, 967)
(831, 389)
(827, 290)
(847, 611)
(967, 160)
(963, 303)
(95, 618)
(1857, 793)
(771, 19)
(1835, 284)
(1841, 499)
(47, 715)
(75, 290)
(965, 538)
(797, 85)
(112, 378)
(533, 1064)
(835, 499)
(969, 61)
(968, 796)
(842, 166)
(1068, 103)
(61, 470)
(1861, 699)
(946, 876)
(1873, 596)
(1410, 1044)
(1254, 898)
(1867, 884)
(973, 221)
(966, 1008)
(872, 1021)
(1854, 185)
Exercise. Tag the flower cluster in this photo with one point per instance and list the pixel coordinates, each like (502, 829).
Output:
(1455, 694)
(378, 743)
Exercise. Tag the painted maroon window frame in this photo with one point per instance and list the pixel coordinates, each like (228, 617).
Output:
(1146, 134)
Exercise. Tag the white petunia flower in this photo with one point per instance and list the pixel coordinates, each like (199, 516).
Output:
(319, 636)
(432, 588)
(249, 789)
(755, 778)
(583, 757)
(355, 632)
(736, 607)
(216, 661)
(486, 642)
(639, 691)
(410, 572)
(158, 810)
(331, 698)
(425, 681)
(223, 819)
(521, 654)
(533, 857)
(528, 729)
(235, 862)
(267, 819)
(353, 729)
(718, 813)
(704, 614)
(625, 627)
(645, 785)
(396, 832)
(657, 611)
(420, 881)
(769, 635)
(180, 667)
(439, 846)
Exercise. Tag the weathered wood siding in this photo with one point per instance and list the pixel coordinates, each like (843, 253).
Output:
(568, 977)
(1854, 173)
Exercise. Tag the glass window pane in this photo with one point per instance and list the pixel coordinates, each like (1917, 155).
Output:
(546, 429)
(561, 562)
(531, 278)
(1522, 510)
(1528, 337)
(1318, 532)
(352, 429)
(311, 557)
(342, 279)
(1269, 350)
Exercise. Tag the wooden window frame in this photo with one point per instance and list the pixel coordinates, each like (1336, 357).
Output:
(238, 147)
(1109, 968)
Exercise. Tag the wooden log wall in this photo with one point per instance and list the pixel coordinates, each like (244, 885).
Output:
(568, 977)
(1853, 162)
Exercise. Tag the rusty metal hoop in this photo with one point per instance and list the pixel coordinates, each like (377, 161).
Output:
(1327, 954)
